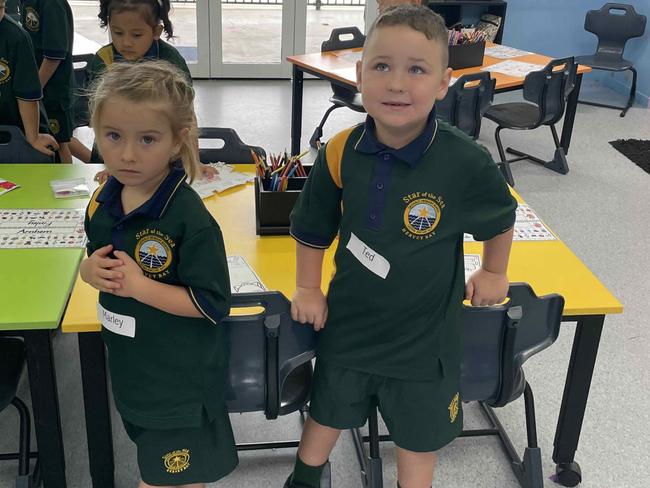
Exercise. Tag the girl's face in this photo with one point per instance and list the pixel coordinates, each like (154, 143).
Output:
(132, 35)
(137, 142)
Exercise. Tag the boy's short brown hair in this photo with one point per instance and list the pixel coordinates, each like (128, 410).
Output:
(419, 18)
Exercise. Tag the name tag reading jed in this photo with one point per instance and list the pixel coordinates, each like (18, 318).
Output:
(116, 323)
(367, 256)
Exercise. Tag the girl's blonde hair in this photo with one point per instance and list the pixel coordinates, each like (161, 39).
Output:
(164, 86)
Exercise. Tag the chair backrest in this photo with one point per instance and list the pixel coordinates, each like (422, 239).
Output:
(233, 149)
(266, 350)
(81, 64)
(14, 148)
(498, 340)
(550, 87)
(613, 30)
(466, 102)
(340, 39)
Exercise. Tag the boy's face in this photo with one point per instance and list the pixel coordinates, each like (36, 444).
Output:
(400, 77)
(136, 142)
(132, 35)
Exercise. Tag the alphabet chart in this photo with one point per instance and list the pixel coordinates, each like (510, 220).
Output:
(528, 227)
(42, 228)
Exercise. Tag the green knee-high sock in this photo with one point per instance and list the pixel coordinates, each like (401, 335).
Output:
(305, 476)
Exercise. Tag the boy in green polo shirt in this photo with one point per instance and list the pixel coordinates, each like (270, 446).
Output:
(20, 88)
(399, 191)
(50, 25)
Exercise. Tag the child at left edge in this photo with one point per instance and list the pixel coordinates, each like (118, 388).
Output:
(160, 305)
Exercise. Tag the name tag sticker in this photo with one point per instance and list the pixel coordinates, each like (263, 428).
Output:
(116, 323)
(370, 258)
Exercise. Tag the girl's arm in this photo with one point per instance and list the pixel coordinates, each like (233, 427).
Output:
(168, 298)
(30, 117)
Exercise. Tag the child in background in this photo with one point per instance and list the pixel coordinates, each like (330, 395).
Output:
(160, 303)
(20, 87)
(399, 191)
(50, 25)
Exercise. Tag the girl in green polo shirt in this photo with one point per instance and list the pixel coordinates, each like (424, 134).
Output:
(160, 302)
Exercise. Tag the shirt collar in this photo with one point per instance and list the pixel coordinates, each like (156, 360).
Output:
(152, 53)
(411, 153)
(154, 207)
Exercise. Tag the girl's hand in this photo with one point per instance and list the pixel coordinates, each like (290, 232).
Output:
(99, 270)
(208, 172)
(309, 306)
(486, 288)
(132, 279)
(102, 176)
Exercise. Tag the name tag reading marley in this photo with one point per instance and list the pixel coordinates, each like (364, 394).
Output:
(116, 323)
(370, 258)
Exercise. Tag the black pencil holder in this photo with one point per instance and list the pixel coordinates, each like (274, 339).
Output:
(273, 208)
(466, 55)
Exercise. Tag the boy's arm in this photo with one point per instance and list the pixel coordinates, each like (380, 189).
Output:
(30, 116)
(489, 285)
(47, 69)
(308, 304)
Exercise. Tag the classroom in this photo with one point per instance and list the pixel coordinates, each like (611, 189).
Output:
(226, 128)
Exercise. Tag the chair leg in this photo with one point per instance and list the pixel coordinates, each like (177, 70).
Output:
(504, 164)
(375, 469)
(24, 441)
(630, 100)
(314, 140)
(532, 460)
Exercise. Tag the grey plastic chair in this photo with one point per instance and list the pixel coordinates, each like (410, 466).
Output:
(269, 367)
(497, 342)
(12, 352)
(466, 102)
(545, 95)
(613, 32)
(14, 148)
(233, 149)
(344, 95)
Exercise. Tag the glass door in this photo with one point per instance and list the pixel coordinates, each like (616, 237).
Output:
(191, 22)
(252, 38)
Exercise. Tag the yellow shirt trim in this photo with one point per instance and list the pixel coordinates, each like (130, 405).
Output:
(334, 154)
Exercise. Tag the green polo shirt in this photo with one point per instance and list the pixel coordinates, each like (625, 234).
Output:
(11, 8)
(18, 74)
(395, 299)
(50, 25)
(172, 367)
(107, 55)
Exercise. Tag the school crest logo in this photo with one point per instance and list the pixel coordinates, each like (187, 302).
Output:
(421, 215)
(177, 461)
(32, 20)
(453, 408)
(5, 72)
(153, 252)
(55, 127)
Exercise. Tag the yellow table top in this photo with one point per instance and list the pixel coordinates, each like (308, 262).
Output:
(549, 266)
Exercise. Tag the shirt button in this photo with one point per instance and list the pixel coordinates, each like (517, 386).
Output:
(386, 157)
(120, 227)
(373, 216)
(380, 186)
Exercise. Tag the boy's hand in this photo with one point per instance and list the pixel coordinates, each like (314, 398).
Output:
(208, 172)
(98, 270)
(309, 306)
(45, 143)
(102, 176)
(486, 288)
(132, 280)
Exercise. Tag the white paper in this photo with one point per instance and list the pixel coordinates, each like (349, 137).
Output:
(367, 256)
(528, 227)
(42, 228)
(504, 52)
(472, 263)
(227, 178)
(242, 277)
(351, 57)
(115, 322)
(517, 69)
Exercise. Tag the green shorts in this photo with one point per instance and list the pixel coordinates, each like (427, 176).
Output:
(184, 456)
(61, 120)
(421, 416)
